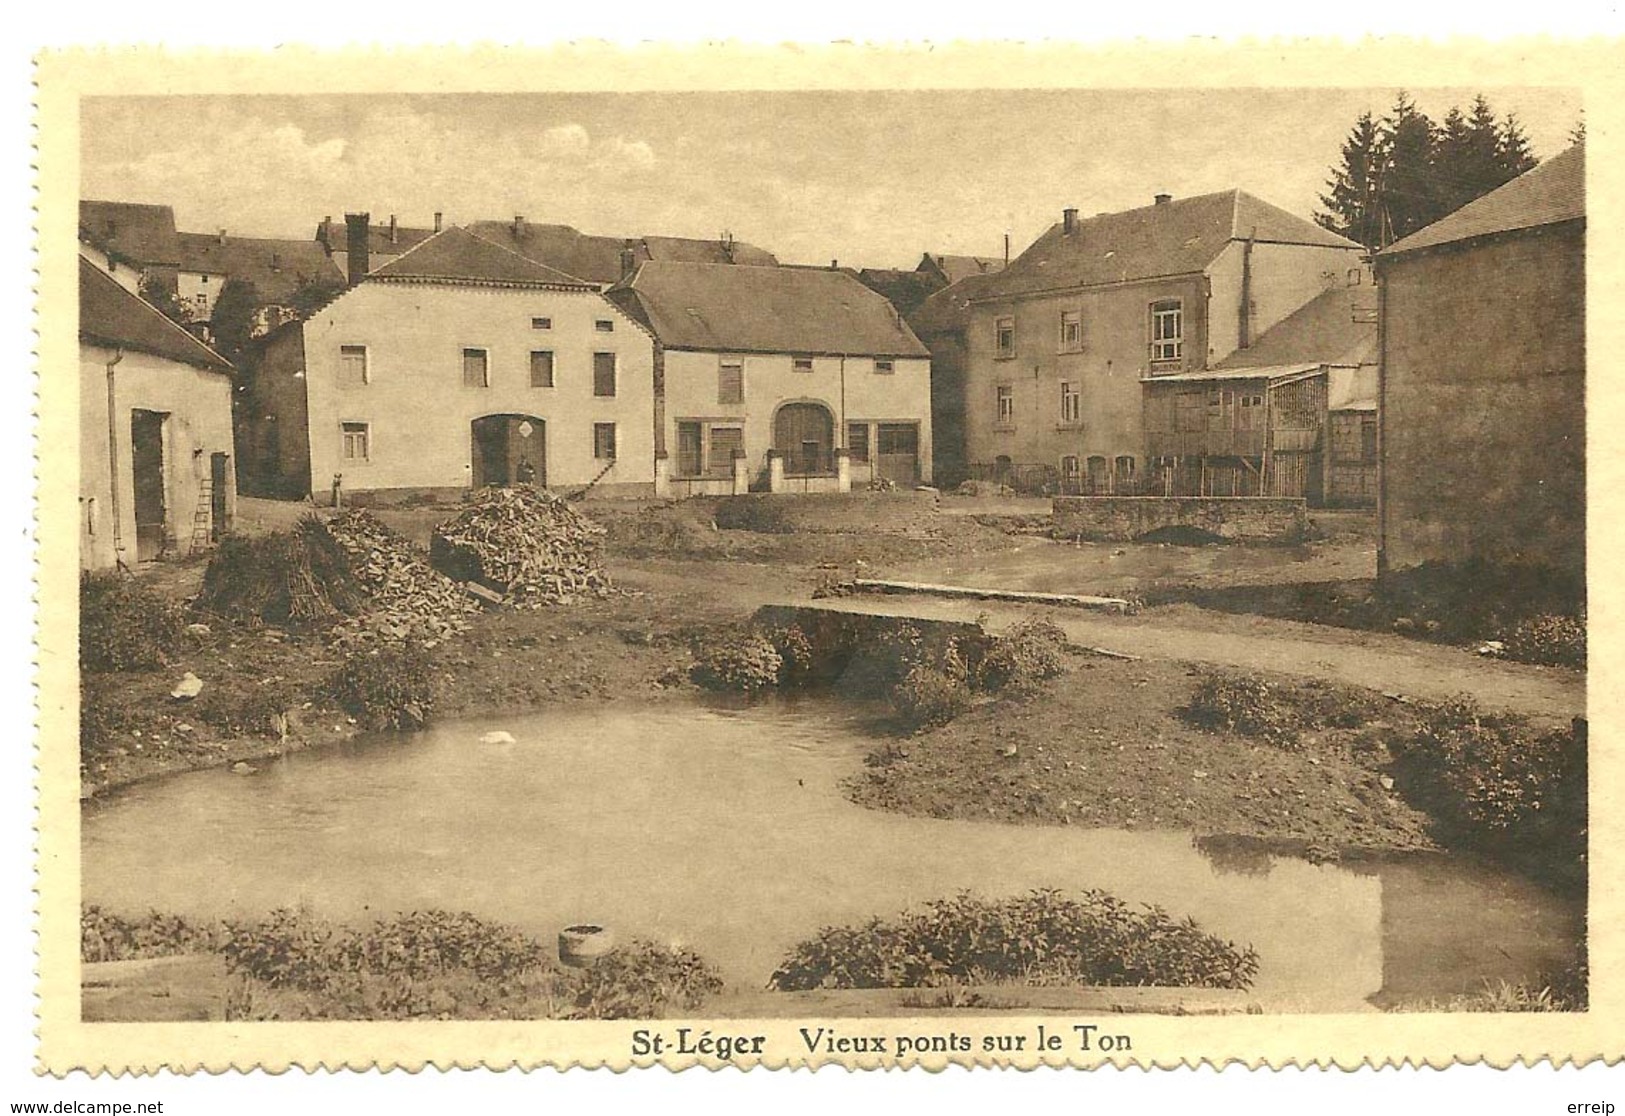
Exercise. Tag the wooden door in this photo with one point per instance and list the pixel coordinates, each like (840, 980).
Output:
(147, 469)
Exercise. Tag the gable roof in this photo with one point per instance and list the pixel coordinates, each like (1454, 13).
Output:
(597, 259)
(906, 290)
(110, 315)
(458, 256)
(948, 310)
(954, 268)
(1177, 237)
(1338, 326)
(142, 235)
(727, 308)
(335, 237)
(277, 268)
(1551, 193)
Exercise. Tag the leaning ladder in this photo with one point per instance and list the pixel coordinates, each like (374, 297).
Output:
(202, 516)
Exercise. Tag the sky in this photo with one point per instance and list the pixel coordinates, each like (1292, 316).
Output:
(869, 178)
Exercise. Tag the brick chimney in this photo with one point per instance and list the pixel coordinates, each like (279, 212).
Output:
(629, 263)
(221, 239)
(394, 234)
(359, 227)
(518, 225)
(325, 234)
(1163, 199)
(438, 218)
(1069, 221)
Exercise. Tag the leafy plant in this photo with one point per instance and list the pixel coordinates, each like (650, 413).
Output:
(1548, 639)
(1043, 937)
(1247, 705)
(104, 936)
(642, 980)
(1027, 654)
(387, 687)
(124, 625)
(745, 661)
(929, 696)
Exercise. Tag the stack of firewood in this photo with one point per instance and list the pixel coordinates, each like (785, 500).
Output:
(526, 544)
(407, 598)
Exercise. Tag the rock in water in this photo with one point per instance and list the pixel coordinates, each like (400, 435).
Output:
(497, 737)
(189, 687)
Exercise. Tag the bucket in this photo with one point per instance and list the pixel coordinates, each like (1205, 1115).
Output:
(583, 944)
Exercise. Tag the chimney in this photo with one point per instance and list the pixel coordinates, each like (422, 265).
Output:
(629, 264)
(221, 239)
(394, 236)
(359, 228)
(1163, 199)
(1069, 221)
(276, 261)
(325, 233)
(518, 226)
(438, 218)
(835, 265)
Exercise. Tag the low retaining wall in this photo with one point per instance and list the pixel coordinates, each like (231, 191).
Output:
(814, 513)
(1121, 518)
(408, 497)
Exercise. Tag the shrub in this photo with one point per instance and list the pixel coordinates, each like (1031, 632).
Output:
(104, 716)
(1248, 705)
(1042, 937)
(124, 625)
(642, 980)
(389, 687)
(108, 937)
(1027, 654)
(1548, 639)
(745, 661)
(929, 696)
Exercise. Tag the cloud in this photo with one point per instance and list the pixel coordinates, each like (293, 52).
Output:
(568, 139)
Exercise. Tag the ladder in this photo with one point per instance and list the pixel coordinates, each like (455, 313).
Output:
(203, 516)
(581, 493)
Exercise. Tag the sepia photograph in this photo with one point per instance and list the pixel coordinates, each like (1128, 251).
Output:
(759, 567)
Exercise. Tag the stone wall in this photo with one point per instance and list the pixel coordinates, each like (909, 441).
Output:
(1240, 518)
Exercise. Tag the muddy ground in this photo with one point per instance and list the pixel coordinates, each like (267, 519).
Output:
(1104, 746)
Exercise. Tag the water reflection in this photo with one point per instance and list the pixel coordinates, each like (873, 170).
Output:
(725, 828)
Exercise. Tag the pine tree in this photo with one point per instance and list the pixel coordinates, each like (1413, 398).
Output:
(1516, 154)
(1352, 204)
(1411, 197)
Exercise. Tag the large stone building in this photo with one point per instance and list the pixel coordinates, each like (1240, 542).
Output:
(1058, 343)
(1482, 381)
(783, 378)
(457, 364)
(155, 441)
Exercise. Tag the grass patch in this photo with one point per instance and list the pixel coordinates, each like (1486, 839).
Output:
(124, 625)
(1043, 937)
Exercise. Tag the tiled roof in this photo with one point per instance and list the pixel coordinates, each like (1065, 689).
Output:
(948, 310)
(143, 235)
(955, 268)
(1178, 237)
(1338, 326)
(277, 268)
(335, 234)
(458, 256)
(597, 259)
(1552, 193)
(726, 308)
(110, 315)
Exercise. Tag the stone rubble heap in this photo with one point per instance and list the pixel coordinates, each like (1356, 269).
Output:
(526, 544)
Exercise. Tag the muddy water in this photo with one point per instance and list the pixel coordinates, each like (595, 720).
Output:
(724, 828)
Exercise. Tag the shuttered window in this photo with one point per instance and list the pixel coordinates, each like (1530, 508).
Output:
(476, 368)
(731, 381)
(603, 375)
(688, 449)
(857, 441)
(357, 441)
(352, 366)
(541, 368)
(724, 440)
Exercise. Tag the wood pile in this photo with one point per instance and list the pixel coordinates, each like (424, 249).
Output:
(524, 543)
(408, 600)
(298, 578)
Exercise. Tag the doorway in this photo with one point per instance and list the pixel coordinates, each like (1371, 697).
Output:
(217, 496)
(897, 453)
(147, 469)
(805, 434)
(509, 450)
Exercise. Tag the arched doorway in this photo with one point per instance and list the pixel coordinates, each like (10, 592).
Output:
(509, 449)
(805, 434)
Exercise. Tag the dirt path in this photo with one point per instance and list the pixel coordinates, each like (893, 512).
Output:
(1390, 664)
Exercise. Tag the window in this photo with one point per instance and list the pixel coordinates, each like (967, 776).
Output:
(603, 375)
(731, 380)
(357, 441)
(897, 439)
(1004, 337)
(1167, 330)
(801, 364)
(1071, 329)
(1005, 397)
(603, 441)
(724, 441)
(885, 367)
(1252, 400)
(541, 368)
(604, 325)
(541, 323)
(1368, 440)
(476, 368)
(1123, 469)
(352, 365)
(1071, 470)
(857, 441)
(1071, 404)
